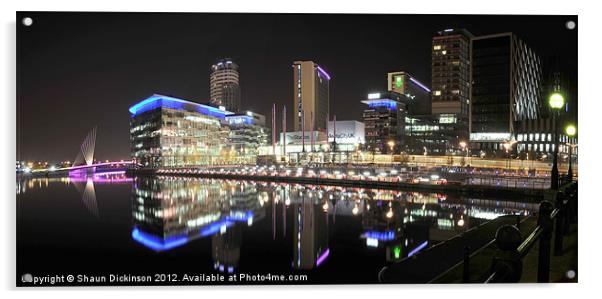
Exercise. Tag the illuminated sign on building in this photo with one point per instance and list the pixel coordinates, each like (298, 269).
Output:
(399, 81)
(375, 95)
(490, 136)
(347, 132)
(447, 119)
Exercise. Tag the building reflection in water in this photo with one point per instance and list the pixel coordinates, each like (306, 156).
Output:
(310, 238)
(169, 212)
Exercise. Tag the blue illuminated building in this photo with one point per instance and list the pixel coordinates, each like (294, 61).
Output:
(160, 101)
(170, 132)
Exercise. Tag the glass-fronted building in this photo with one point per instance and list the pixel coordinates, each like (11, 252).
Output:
(247, 133)
(425, 135)
(171, 132)
(384, 122)
(506, 78)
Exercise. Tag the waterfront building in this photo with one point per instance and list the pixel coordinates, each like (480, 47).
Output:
(311, 96)
(425, 135)
(316, 146)
(224, 85)
(299, 142)
(450, 83)
(535, 136)
(384, 121)
(171, 132)
(416, 92)
(247, 133)
(348, 132)
(506, 89)
(535, 140)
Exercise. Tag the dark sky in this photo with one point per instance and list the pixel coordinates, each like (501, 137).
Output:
(77, 70)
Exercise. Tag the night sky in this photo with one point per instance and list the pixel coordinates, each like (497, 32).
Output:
(77, 70)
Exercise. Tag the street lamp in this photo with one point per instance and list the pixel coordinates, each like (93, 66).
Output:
(570, 130)
(556, 102)
(391, 144)
(508, 146)
(463, 145)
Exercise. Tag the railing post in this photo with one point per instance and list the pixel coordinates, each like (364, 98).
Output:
(545, 222)
(560, 223)
(466, 269)
(507, 264)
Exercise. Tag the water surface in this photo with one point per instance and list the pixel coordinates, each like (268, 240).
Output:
(111, 224)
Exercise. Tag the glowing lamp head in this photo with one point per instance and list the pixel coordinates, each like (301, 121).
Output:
(556, 100)
(462, 144)
(571, 130)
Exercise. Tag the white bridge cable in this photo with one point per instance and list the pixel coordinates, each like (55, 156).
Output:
(86, 151)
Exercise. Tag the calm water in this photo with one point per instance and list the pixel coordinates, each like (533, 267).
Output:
(111, 224)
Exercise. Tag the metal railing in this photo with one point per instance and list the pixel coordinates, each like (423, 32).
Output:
(468, 256)
(553, 221)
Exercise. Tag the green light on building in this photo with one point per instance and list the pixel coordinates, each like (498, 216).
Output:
(397, 252)
(399, 81)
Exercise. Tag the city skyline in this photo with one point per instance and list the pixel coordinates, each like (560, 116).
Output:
(96, 87)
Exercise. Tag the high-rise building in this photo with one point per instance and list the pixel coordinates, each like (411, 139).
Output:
(450, 82)
(384, 122)
(311, 96)
(417, 93)
(224, 85)
(506, 89)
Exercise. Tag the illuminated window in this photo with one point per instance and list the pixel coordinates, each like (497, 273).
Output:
(437, 92)
(437, 47)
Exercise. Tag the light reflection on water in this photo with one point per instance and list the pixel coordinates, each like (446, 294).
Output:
(316, 223)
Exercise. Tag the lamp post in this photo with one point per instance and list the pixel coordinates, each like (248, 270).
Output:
(391, 144)
(508, 146)
(556, 102)
(570, 130)
(463, 146)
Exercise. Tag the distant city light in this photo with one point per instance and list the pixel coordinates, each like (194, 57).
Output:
(373, 96)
